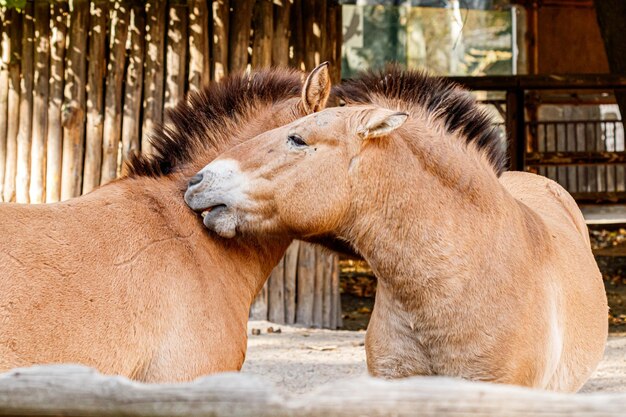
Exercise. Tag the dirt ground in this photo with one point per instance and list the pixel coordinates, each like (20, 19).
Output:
(297, 360)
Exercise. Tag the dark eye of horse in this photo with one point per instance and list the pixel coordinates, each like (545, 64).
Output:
(296, 140)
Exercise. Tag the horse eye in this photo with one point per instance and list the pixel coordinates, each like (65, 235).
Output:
(296, 140)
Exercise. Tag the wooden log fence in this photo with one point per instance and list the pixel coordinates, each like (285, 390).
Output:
(83, 83)
(72, 390)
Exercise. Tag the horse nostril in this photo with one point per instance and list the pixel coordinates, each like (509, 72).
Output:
(196, 179)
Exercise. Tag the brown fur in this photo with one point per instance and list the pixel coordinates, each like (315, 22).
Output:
(125, 279)
(482, 277)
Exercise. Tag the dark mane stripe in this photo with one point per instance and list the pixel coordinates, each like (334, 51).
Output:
(198, 124)
(444, 100)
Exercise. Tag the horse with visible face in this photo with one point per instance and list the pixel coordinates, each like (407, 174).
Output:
(482, 274)
(126, 279)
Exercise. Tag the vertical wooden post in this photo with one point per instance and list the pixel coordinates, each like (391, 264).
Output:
(5, 60)
(336, 316)
(74, 105)
(329, 260)
(176, 55)
(333, 41)
(134, 83)
(276, 294)
(318, 291)
(221, 18)
(113, 96)
(338, 42)
(280, 38)
(296, 39)
(13, 106)
(263, 26)
(95, 94)
(40, 102)
(305, 284)
(24, 134)
(515, 128)
(199, 46)
(55, 129)
(154, 71)
(321, 10)
(258, 311)
(239, 36)
(291, 273)
(312, 34)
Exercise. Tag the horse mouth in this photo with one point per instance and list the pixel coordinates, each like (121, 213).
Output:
(205, 212)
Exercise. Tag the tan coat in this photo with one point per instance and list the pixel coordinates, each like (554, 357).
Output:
(126, 279)
(480, 276)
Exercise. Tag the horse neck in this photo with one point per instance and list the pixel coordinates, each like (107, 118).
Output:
(238, 265)
(445, 217)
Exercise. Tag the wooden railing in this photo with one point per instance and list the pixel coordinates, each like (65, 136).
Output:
(74, 391)
(587, 157)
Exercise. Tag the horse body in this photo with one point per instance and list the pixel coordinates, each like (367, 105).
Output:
(110, 281)
(481, 275)
(517, 300)
(125, 279)
(579, 307)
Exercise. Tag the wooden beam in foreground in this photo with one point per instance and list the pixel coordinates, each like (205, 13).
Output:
(71, 390)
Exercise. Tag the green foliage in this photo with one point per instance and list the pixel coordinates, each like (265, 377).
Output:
(13, 4)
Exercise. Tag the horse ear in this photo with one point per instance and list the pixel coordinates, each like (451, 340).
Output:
(316, 89)
(381, 122)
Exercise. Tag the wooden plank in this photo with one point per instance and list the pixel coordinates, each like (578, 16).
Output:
(73, 118)
(263, 27)
(258, 310)
(321, 11)
(276, 294)
(318, 297)
(515, 128)
(280, 38)
(335, 36)
(544, 82)
(72, 390)
(54, 145)
(153, 71)
(312, 34)
(5, 61)
(114, 93)
(291, 273)
(131, 122)
(40, 103)
(15, 34)
(305, 284)
(25, 130)
(329, 260)
(296, 38)
(199, 46)
(240, 21)
(335, 297)
(219, 51)
(575, 158)
(95, 94)
(176, 54)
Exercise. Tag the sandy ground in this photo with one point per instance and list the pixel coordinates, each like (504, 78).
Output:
(296, 360)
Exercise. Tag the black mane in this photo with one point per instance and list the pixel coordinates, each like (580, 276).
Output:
(199, 123)
(442, 99)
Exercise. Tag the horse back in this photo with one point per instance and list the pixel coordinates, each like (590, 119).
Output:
(572, 273)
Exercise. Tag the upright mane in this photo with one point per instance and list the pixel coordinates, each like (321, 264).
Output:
(442, 100)
(201, 122)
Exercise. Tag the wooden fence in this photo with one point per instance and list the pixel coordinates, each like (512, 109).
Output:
(79, 391)
(83, 83)
(585, 155)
